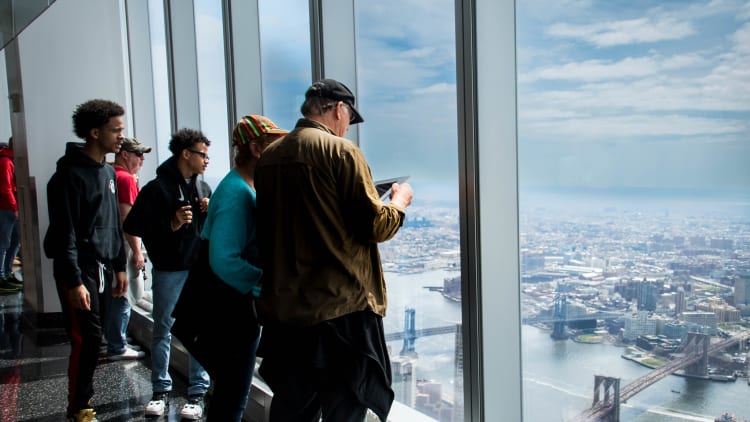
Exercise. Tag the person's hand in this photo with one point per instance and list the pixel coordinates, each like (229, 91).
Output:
(204, 205)
(79, 298)
(401, 194)
(138, 261)
(121, 284)
(182, 216)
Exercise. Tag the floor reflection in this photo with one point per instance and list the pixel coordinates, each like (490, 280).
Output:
(33, 377)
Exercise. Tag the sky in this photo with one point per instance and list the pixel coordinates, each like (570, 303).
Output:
(634, 94)
(612, 95)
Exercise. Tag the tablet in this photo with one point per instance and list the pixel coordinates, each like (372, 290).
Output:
(384, 186)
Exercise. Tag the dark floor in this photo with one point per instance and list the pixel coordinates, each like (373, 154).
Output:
(33, 377)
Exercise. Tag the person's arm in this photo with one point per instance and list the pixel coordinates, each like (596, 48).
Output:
(62, 203)
(127, 192)
(121, 284)
(133, 241)
(149, 216)
(371, 219)
(63, 199)
(228, 240)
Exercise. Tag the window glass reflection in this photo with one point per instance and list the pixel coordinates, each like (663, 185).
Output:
(285, 58)
(160, 74)
(407, 96)
(157, 32)
(212, 88)
(634, 207)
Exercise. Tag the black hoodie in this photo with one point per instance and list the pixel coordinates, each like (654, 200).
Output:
(152, 213)
(84, 217)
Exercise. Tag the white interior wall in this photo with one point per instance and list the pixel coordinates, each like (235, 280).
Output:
(70, 54)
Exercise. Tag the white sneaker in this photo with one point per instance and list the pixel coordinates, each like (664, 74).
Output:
(128, 354)
(158, 405)
(193, 409)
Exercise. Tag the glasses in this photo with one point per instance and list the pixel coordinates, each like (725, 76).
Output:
(351, 113)
(136, 153)
(203, 155)
(349, 107)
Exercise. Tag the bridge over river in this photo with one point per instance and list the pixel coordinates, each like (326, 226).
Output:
(694, 354)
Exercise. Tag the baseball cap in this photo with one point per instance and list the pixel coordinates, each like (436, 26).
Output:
(254, 126)
(133, 145)
(334, 90)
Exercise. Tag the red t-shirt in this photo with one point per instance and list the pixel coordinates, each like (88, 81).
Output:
(127, 186)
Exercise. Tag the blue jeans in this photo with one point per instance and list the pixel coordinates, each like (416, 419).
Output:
(9, 241)
(115, 320)
(116, 314)
(166, 287)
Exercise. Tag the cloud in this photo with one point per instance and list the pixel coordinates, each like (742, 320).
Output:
(633, 126)
(440, 88)
(592, 70)
(692, 89)
(622, 32)
(741, 39)
(744, 12)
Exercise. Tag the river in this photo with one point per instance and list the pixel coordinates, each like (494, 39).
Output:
(558, 376)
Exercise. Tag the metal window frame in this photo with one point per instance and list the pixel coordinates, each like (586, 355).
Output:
(486, 90)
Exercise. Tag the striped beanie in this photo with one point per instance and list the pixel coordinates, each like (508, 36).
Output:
(252, 127)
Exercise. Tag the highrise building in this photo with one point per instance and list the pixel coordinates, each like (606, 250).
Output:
(706, 322)
(640, 324)
(742, 289)
(648, 295)
(679, 301)
(403, 369)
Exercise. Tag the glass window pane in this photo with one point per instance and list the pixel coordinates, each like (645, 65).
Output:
(212, 88)
(407, 96)
(161, 105)
(634, 203)
(26, 11)
(285, 58)
(160, 74)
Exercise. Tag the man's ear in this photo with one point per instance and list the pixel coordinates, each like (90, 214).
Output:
(340, 110)
(94, 133)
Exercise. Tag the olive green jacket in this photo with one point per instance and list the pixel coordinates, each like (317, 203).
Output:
(319, 223)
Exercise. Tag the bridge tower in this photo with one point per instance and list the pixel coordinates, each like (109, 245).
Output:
(611, 398)
(410, 333)
(697, 343)
(560, 314)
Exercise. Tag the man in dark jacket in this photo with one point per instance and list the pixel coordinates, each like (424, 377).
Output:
(168, 216)
(85, 242)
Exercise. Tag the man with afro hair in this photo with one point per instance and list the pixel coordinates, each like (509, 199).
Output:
(168, 216)
(84, 241)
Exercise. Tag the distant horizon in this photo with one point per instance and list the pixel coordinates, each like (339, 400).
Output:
(449, 191)
(662, 192)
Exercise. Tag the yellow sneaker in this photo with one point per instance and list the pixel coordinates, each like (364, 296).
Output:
(83, 415)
